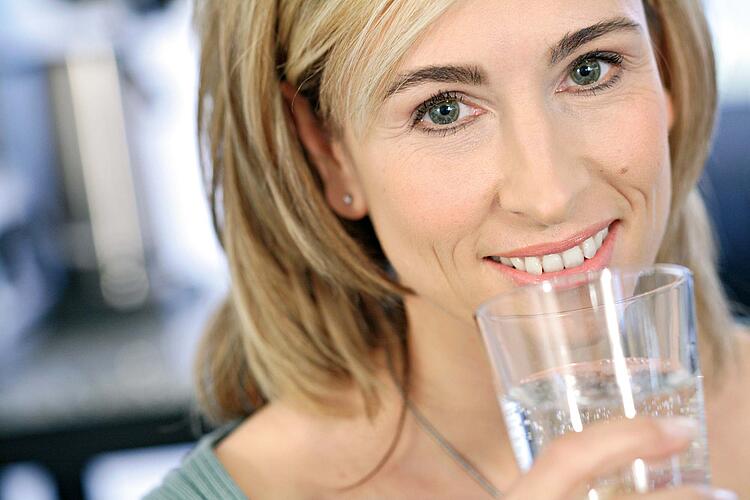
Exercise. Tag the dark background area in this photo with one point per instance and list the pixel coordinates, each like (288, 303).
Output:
(109, 266)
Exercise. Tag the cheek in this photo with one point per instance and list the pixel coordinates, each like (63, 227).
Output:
(645, 147)
(422, 204)
(634, 159)
(628, 140)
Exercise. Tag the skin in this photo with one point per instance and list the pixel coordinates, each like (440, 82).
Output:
(534, 162)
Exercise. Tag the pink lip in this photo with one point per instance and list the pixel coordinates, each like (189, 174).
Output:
(559, 246)
(600, 261)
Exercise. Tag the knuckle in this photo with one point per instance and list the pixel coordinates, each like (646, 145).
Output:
(566, 459)
(696, 494)
(652, 431)
(564, 448)
(560, 451)
(674, 493)
(687, 493)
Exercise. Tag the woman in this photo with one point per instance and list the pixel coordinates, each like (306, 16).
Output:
(370, 159)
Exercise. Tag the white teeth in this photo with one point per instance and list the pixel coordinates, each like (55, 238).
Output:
(533, 265)
(572, 257)
(589, 248)
(599, 238)
(552, 263)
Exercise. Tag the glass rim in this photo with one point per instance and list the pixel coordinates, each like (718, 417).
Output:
(681, 273)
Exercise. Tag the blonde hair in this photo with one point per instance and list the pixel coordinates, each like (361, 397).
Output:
(311, 296)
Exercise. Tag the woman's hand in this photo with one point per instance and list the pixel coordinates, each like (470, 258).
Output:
(570, 462)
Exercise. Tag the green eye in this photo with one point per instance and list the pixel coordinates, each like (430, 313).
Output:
(444, 113)
(587, 72)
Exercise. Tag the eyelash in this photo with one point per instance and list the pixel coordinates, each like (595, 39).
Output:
(612, 58)
(437, 98)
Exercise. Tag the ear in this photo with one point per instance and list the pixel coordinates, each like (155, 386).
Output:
(330, 158)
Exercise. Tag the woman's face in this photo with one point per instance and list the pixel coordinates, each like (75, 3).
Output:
(515, 135)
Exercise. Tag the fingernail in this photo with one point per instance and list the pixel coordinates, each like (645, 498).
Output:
(679, 427)
(723, 495)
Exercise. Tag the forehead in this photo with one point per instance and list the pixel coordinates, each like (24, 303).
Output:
(498, 30)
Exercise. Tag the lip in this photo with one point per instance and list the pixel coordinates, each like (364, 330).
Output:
(600, 261)
(559, 246)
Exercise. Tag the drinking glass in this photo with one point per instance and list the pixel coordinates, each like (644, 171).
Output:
(603, 345)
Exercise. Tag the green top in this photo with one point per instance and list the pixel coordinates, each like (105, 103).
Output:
(200, 476)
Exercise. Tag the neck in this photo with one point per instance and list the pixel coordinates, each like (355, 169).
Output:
(451, 382)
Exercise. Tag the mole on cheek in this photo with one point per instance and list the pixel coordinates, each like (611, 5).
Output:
(623, 170)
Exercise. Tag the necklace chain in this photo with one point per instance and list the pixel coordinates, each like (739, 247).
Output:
(430, 429)
(451, 451)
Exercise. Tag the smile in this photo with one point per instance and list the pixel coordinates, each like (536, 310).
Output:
(585, 252)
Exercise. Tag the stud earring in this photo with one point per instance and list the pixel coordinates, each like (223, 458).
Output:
(348, 199)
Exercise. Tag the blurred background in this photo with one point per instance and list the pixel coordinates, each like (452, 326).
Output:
(109, 265)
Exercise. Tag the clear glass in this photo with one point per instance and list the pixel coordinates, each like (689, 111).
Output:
(602, 345)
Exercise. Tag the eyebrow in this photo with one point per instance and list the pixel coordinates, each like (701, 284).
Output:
(571, 41)
(472, 75)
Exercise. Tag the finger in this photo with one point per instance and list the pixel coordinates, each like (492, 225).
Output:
(601, 449)
(684, 493)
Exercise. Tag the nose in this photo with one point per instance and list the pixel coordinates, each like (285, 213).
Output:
(543, 176)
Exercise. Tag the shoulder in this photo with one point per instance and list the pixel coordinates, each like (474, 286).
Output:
(727, 416)
(727, 392)
(286, 452)
(200, 475)
(262, 453)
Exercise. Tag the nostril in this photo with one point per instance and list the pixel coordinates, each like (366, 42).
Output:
(547, 200)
